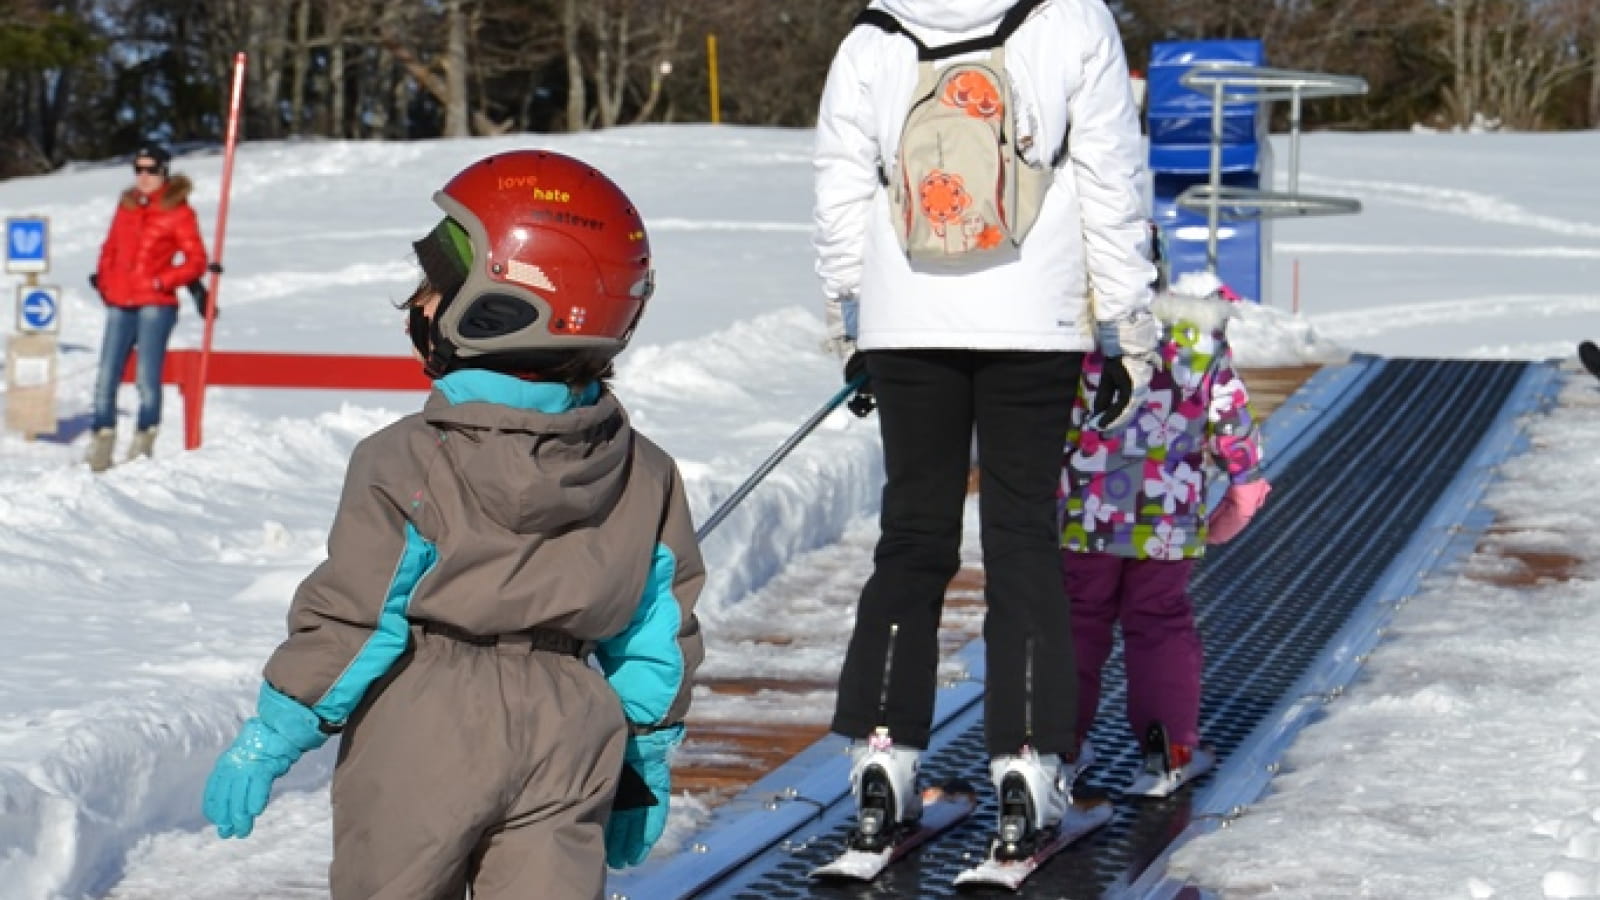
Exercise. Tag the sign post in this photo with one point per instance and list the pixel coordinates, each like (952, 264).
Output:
(31, 352)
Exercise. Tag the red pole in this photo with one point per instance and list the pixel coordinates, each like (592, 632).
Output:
(191, 437)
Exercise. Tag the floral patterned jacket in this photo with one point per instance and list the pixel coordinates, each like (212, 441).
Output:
(1140, 492)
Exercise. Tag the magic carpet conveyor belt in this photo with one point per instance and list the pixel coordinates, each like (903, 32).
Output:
(1363, 460)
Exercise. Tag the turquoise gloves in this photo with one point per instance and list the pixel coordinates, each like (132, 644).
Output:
(630, 833)
(266, 747)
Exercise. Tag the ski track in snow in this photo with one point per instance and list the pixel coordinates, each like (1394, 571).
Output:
(1307, 249)
(1355, 325)
(1454, 201)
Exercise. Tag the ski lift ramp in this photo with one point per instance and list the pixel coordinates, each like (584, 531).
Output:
(1234, 83)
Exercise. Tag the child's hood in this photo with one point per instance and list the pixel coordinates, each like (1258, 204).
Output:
(536, 472)
(1207, 314)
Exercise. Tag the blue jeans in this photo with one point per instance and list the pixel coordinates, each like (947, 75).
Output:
(145, 327)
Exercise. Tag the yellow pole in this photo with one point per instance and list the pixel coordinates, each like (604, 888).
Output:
(711, 64)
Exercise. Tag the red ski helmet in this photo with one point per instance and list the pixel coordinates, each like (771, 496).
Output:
(541, 257)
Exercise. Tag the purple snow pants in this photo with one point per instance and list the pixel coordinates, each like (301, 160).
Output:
(1161, 649)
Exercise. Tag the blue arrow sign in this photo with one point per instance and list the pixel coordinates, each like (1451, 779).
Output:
(27, 245)
(39, 310)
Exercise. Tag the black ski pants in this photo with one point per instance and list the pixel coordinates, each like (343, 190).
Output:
(930, 402)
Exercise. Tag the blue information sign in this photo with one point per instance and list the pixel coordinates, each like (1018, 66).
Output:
(27, 245)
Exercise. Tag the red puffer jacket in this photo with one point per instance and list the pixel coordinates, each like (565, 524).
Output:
(137, 262)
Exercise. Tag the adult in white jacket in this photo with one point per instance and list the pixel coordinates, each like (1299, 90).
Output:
(996, 350)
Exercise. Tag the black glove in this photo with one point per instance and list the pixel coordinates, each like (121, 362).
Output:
(214, 267)
(1112, 396)
(201, 296)
(94, 282)
(863, 402)
(632, 791)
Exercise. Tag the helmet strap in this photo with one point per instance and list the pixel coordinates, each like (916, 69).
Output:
(440, 359)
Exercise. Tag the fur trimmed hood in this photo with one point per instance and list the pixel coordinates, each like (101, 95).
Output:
(172, 195)
(1197, 298)
(1208, 313)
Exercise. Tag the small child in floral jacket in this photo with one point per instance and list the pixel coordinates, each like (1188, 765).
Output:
(1135, 521)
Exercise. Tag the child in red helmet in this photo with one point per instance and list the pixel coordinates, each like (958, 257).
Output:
(484, 548)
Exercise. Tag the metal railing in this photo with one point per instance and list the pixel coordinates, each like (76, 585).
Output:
(1235, 83)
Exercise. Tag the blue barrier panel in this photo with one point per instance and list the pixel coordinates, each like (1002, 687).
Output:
(1241, 245)
(1180, 156)
(1181, 115)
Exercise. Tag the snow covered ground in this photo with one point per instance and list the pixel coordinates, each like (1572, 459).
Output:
(140, 604)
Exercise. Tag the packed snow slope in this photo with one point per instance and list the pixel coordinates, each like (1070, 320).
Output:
(141, 603)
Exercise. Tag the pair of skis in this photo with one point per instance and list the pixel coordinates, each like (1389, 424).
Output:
(1008, 866)
(946, 806)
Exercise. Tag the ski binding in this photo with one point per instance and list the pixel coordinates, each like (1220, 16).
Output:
(1164, 783)
(1082, 817)
(943, 806)
(1162, 774)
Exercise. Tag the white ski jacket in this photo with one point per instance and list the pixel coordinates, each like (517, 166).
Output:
(1085, 259)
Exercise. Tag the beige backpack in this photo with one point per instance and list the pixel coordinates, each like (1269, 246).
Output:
(961, 194)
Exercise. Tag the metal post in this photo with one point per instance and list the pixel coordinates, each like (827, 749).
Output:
(1214, 208)
(1294, 140)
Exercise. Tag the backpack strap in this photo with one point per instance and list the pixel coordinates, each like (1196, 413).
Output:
(1009, 23)
(885, 20)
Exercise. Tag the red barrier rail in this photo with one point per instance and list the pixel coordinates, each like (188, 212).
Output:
(279, 370)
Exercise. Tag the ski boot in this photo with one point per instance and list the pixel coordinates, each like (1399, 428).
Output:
(883, 779)
(1168, 766)
(1034, 794)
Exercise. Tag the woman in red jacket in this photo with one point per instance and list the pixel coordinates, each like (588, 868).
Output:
(154, 247)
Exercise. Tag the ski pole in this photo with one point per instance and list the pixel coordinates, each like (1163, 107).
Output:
(777, 457)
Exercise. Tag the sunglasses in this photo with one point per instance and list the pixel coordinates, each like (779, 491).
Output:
(146, 170)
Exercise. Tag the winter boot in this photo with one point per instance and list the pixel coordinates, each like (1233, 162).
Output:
(101, 443)
(143, 443)
(1034, 795)
(883, 779)
(1168, 766)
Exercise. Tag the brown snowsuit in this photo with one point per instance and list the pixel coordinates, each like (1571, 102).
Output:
(481, 549)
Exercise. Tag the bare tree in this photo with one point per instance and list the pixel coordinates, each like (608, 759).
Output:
(450, 90)
(264, 32)
(455, 70)
(622, 49)
(1508, 58)
(577, 99)
(632, 39)
(1589, 27)
(300, 63)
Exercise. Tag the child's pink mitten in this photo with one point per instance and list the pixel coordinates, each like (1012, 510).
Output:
(1235, 510)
